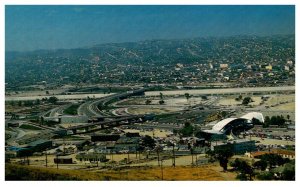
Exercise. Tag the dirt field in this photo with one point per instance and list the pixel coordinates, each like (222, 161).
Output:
(230, 100)
(157, 132)
(154, 110)
(180, 101)
(276, 99)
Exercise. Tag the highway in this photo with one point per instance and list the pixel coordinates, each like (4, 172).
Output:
(90, 108)
(123, 119)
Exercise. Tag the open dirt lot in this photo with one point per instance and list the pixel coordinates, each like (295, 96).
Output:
(150, 109)
(157, 132)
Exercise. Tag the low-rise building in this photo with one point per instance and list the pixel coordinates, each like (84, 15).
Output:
(281, 152)
(237, 146)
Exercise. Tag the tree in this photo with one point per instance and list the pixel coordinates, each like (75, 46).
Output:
(37, 102)
(223, 114)
(204, 97)
(240, 97)
(247, 100)
(148, 102)
(148, 141)
(223, 156)
(277, 120)
(267, 122)
(102, 158)
(52, 100)
(247, 172)
(273, 160)
(187, 130)
(187, 96)
(288, 172)
(256, 122)
(236, 164)
(161, 102)
(28, 103)
(161, 96)
(261, 164)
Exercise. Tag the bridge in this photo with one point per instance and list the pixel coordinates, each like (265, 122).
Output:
(90, 127)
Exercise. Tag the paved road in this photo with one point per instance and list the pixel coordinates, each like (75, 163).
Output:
(90, 108)
(58, 110)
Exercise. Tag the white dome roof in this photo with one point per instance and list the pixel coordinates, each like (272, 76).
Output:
(222, 123)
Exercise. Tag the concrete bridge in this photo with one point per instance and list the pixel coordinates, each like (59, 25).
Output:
(109, 124)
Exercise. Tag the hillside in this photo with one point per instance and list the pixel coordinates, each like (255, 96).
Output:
(137, 61)
(203, 173)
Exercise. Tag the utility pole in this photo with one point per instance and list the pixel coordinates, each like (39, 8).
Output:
(135, 151)
(161, 168)
(46, 158)
(173, 155)
(64, 146)
(158, 157)
(128, 156)
(97, 161)
(192, 156)
(56, 160)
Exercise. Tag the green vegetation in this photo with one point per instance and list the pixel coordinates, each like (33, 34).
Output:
(222, 155)
(247, 100)
(148, 141)
(279, 168)
(245, 169)
(187, 96)
(147, 102)
(261, 164)
(274, 120)
(161, 102)
(240, 97)
(29, 127)
(52, 100)
(204, 97)
(72, 110)
(161, 96)
(187, 130)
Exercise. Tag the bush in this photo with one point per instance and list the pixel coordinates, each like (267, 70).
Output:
(187, 130)
(247, 100)
(161, 102)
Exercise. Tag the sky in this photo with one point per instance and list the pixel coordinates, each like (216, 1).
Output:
(33, 27)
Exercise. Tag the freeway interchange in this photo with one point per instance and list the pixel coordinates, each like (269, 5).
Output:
(98, 109)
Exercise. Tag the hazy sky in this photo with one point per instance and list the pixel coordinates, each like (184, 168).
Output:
(52, 27)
